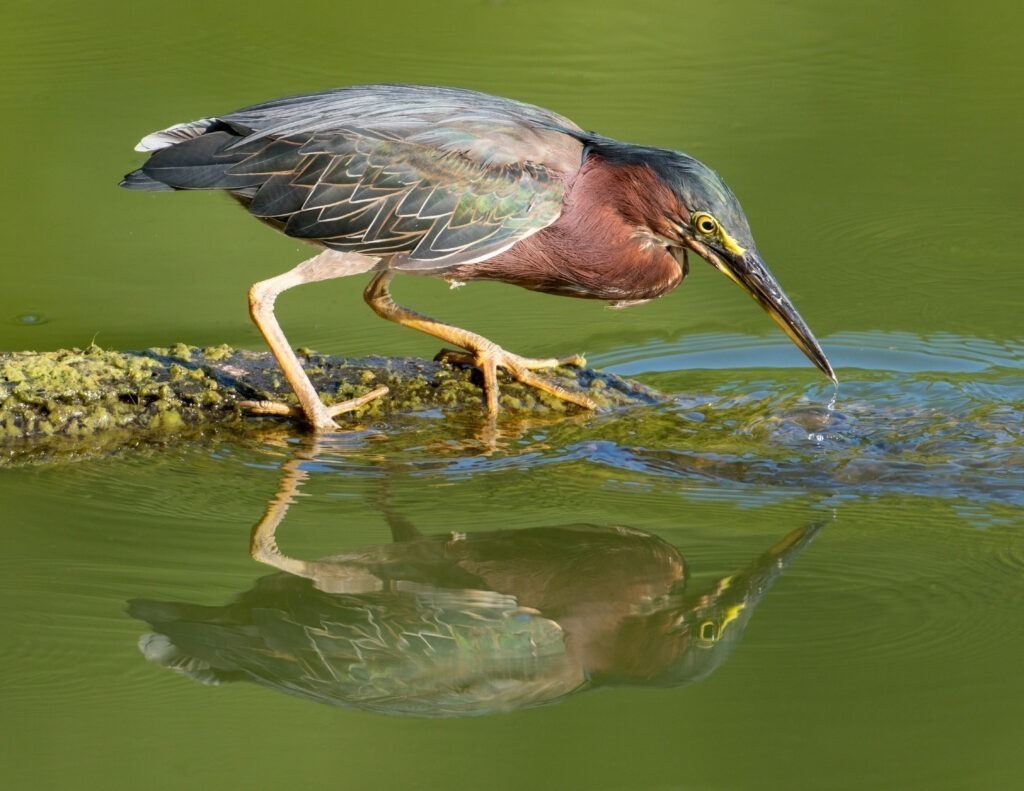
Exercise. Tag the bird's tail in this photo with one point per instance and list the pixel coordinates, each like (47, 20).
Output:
(159, 650)
(137, 180)
(157, 180)
(179, 133)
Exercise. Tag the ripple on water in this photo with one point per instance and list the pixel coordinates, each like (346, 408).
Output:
(874, 351)
(906, 596)
(30, 318)
(55, 638)
(947, 422)
(940, 417)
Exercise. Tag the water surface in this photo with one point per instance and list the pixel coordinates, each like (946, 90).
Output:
(872, 148)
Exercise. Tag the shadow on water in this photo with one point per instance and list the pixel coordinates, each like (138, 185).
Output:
(464, 624)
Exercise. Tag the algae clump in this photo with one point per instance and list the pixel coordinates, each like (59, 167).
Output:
(160, 393)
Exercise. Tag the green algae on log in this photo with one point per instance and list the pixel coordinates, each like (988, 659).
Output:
(86, 393)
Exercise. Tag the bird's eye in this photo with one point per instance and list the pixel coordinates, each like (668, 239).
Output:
(706, 224)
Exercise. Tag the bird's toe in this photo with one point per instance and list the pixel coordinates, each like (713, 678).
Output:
(319, 417)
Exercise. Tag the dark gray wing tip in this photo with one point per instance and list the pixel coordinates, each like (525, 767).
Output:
(137, 180)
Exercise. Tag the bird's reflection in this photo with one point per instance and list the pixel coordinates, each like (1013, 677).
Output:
(465, 623)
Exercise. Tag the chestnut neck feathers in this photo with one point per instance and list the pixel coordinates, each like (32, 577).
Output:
(610, 242)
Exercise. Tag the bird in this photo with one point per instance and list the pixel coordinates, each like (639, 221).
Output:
(462, 185)
(465, 624)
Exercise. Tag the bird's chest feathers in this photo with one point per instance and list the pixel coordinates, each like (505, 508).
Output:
(607, 244)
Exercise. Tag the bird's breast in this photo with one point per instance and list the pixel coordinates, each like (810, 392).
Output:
(602, 246)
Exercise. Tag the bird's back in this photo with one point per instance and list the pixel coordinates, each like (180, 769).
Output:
(485, 128)
(435, 175)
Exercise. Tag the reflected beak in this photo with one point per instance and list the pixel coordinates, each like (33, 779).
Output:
(754, 277)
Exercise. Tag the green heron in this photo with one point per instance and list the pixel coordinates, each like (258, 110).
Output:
(465, 186)
(465, 624)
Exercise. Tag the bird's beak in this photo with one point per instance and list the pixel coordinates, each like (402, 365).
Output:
(748, 270)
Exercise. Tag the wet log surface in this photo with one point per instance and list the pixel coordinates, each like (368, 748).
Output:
(77, 401)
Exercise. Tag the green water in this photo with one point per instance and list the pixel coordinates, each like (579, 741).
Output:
(875, 148)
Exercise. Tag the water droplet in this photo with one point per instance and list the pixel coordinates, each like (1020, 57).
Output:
(835, 395)
(29, 318)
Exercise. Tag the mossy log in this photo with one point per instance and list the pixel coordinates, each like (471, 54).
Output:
(105, 397)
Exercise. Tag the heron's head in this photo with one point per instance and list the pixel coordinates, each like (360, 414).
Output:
(713, 225)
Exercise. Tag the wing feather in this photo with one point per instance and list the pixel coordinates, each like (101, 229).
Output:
(434, 177)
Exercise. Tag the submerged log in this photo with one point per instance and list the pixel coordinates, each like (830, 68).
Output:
(108, 396)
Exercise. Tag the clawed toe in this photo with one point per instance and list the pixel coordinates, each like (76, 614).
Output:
(556, 390)
(270, 408)
(358, 401)
(575, 360)
(455, 357)
(489, 359)
(320, 417)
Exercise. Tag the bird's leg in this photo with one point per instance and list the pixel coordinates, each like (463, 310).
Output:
(262, 539)
(329, 264)
(485, 354)
(332, 576)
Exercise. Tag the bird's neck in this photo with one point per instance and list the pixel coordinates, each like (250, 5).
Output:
(610, 242)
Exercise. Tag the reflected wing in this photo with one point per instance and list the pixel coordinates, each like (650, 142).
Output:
(421, 652)
(435, 177)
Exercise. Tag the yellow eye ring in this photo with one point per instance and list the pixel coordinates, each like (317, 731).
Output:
(706, 224)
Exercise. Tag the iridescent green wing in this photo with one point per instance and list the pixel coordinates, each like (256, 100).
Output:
(364, 191)
(359, 191)
(431, 176)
